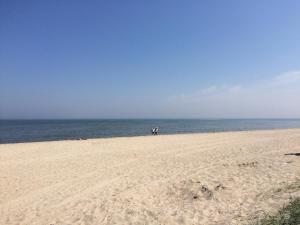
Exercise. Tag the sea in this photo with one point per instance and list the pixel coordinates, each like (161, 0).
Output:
(18, 131)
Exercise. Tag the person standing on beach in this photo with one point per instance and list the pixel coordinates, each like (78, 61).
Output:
(156, 130)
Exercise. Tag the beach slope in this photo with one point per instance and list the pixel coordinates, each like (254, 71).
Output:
(214, 178)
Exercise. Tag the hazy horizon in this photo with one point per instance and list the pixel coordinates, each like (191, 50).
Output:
(157, 118)
(150, 60)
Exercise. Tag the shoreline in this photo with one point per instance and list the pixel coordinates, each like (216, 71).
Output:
(207, 178)
(160, 134)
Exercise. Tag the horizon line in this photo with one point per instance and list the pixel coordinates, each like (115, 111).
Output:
(162, 118)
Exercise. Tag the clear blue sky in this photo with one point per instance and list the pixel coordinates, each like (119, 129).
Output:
(136, 59)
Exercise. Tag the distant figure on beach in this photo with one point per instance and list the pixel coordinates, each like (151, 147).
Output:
(156, 130)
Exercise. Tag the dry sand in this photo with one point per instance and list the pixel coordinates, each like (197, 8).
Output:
(216, 178)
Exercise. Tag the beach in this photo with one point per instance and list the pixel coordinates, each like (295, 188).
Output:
(208, 178)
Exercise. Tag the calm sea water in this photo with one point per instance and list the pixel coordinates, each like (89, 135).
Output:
(14, 131)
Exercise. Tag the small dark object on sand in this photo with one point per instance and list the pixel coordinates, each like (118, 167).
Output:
(79, 139)
(295, 154)
(219, 187)
(204, 188)
(206, 192)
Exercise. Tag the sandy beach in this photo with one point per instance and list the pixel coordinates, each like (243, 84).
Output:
(214, 178)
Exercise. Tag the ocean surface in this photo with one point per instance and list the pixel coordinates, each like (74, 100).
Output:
(15, 131)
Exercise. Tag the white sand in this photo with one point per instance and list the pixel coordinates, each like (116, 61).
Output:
(217, 178)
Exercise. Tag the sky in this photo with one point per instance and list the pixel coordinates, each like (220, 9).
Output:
(149, 59)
